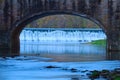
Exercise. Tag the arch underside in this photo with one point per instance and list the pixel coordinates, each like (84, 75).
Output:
(15, 41)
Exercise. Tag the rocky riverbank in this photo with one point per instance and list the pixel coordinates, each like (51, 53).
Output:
(95, 74)
(106, 74)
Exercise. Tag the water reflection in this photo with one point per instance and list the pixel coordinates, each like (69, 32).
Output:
(64, 51)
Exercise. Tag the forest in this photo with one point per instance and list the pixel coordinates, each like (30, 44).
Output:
(62, 21)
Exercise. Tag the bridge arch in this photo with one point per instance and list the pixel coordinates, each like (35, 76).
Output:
(19, 25)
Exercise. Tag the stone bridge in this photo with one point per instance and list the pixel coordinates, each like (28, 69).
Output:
(16, 14)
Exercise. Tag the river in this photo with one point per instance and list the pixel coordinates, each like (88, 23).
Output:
(57, 60)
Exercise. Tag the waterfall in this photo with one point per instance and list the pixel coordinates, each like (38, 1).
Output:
(61, 35)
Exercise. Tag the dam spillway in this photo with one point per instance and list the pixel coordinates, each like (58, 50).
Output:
(61, 35)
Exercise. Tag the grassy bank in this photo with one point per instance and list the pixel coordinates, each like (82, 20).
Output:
(99, 42)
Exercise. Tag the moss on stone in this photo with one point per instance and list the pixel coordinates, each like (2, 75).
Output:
(117, 78)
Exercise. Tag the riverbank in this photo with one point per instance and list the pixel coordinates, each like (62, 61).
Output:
(106, 74)
(99, 42)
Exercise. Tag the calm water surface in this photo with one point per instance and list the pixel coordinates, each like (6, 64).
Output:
(68, 51)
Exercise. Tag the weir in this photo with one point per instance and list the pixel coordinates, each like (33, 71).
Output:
(62, 35)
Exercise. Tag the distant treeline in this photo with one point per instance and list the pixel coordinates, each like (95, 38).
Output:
(63, 21)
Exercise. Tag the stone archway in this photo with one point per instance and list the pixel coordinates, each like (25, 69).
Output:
(15, 42)
(14, 13)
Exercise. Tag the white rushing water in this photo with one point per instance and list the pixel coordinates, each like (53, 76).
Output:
(62, 35)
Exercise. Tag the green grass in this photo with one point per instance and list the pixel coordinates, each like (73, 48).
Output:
(99, 42)
(117, 78)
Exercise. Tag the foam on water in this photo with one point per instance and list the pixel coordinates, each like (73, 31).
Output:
(62, 35)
